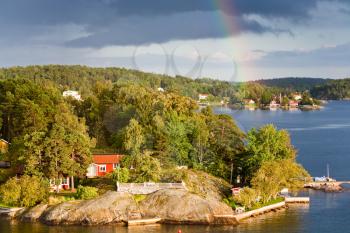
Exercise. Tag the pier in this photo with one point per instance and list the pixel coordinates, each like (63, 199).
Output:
(149, 221)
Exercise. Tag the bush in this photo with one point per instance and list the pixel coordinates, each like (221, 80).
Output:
(120, 175)
(26, 191)
(229, 201)
(146, 168)
(248, 197)
(86, 192)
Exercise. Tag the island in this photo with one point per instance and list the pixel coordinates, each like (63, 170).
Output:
(86, 146)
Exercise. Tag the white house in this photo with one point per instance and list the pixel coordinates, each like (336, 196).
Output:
(203, 96)
(297, 96)
(73, 94)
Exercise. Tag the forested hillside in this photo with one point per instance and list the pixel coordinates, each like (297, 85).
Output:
(333, 90)
(293, 84)
(84, 79)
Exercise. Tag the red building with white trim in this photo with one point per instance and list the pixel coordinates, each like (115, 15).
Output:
(103, 164)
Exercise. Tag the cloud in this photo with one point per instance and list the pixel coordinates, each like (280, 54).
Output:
(131, 22)
(326, 56)
(138, 30)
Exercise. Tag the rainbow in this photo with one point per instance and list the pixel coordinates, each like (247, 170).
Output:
(226, 12)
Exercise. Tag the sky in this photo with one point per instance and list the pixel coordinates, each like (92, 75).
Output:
(234, 40)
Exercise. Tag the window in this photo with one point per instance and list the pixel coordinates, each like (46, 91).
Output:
(102, 168)
(65, 181)
(115, 165)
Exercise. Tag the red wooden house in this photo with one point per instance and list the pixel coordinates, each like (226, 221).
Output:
(103, 164)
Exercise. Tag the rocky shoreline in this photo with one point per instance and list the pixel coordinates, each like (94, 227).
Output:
(326, 187)
(172, 206)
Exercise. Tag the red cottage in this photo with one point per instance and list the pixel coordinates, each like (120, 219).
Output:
(103, 164)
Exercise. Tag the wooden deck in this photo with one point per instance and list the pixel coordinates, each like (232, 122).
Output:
(289, 200)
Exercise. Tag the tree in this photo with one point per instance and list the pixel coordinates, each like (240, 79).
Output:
(266, 97)
(265, 144)
(247, 197)
(133, 138)
(63, 149)
(273, 176)
(120, 175)
(143, 168)
(178, 146)
(26, 191)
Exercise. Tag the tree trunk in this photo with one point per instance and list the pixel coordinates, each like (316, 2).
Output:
(57, 185)
(72, 183)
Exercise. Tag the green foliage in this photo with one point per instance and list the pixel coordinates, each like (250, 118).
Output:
(120, 175)
(306, 99)
(230, 202)
(143, 168)
(293, 84)
(139, 197)
(47, 138)
(26, 191)
(332, 90)
(133, 138)
(273, 176)
(248, 197)
(122, 109)
(265, 144)
(86, 192)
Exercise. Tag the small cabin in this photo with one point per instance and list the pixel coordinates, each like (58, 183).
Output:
(103, 164)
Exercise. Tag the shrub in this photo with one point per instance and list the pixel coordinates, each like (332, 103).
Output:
(86, 192)
(120, 175)
(248, 197)
(26, 191)
(229, 201)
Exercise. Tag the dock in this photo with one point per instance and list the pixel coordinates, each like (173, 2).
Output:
(148, 221)
(290, 200)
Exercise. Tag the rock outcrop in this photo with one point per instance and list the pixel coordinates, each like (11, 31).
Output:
(112, 207)
(181, 206)
(34, 213)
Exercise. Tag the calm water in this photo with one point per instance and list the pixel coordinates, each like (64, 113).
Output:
(321, 137)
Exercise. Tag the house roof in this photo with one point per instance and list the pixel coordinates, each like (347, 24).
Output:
(106, 158)
(3, 140)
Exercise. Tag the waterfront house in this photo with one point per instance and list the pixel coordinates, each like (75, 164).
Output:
(202, 96)
(293, 104)
(297, 96)
(103, 164)
(249, 102)
(273, 104)
(60, 184)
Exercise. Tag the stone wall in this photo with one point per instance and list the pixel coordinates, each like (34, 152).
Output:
(148, 187)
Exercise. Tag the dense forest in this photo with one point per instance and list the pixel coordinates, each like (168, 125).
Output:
(123, 111)
(293, 84)
(83, 79)
(333, 90)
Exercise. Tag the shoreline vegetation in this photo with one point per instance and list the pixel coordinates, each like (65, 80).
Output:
(155, 122)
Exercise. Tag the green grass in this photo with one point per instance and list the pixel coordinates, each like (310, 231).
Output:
(271, 202)
(139, 197)
(2, 205)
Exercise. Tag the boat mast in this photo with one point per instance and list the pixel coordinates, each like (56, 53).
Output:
(327, 170)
